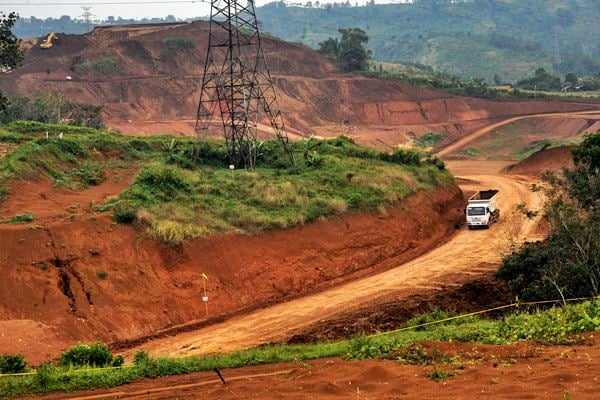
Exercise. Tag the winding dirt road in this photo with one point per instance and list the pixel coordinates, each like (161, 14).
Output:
(464, 253)
(459, 144)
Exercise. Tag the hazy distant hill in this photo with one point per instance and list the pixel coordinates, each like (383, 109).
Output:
(475, 38)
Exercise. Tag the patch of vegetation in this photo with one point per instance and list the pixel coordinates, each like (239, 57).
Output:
(431, 139)
(12, 364)
(173, 196)
(567, 263)
(104, 65)
(184, 190)
(90, 355)
(470, 152)
(102, 275)
(49, 108)
(179, 42)
(88, 173)
(557, 325)
(21, 218)
(349, 51)
(439, 375)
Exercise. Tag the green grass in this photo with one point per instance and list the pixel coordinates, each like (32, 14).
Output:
(184, 190)
(560, 325)
(21, 218)
(104, 65)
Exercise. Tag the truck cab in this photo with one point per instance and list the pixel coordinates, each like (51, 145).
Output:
(481, 209)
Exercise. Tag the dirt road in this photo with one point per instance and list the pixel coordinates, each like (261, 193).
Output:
(481, 132)
(464, 253)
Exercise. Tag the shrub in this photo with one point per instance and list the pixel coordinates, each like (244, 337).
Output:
(12, 364)
(44, 374)
(140, 357)
(21, 218)
(403, 156)
(102, 275)
(313, 159)
(124, 213)
(163, 182)
(87, 355)
(105, 65)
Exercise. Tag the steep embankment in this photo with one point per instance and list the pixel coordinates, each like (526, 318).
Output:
(92, 279)
(149, 85)
(553, 159)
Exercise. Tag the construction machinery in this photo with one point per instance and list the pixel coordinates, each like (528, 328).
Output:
(46, 44)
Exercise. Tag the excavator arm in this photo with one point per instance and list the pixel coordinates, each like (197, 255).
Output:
(46, 44)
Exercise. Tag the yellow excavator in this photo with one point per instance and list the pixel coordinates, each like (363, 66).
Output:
(46, 44)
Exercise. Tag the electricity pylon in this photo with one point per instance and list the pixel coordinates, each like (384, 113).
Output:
(238, 83)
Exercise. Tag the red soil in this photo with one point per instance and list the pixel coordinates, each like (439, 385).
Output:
(49, 204)
(521, 371)
(553, 159)
(157, 90)
(53, 269)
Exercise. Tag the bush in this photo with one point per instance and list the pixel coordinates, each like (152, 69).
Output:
(403, 156)
(87, 355)
(105, 65)
(313, 159)
(163, 182)
(124, 213)
(12, 364)
(567, 263)
(140, 357)
(21, 218)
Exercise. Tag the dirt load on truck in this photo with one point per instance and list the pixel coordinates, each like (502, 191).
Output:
(481, 209)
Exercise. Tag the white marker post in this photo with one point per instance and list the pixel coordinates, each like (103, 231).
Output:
(205, 297)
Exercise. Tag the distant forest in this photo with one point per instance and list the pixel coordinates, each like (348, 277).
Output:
(504, 40)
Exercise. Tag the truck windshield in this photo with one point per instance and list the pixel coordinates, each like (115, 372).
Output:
(476, 211)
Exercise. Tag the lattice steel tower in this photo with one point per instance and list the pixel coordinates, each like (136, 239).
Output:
(237, 82)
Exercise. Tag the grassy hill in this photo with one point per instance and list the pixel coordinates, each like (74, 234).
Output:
(184, 190)
(472, 39)
(469, 38)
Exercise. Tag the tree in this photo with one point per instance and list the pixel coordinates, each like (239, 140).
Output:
(352, 55)
(571, 77)
(567, 263)
(11, 54)
(330, 47)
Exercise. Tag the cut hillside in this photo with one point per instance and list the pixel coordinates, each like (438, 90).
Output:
(349, 211)
(147, 77)
(553, 159)
(519, 139)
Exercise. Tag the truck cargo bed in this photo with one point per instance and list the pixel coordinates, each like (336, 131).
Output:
(484, 195)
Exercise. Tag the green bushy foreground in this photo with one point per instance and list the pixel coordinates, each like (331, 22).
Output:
(560, 325)
(184, 190)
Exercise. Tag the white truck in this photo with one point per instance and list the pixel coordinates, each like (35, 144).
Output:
(481, 209)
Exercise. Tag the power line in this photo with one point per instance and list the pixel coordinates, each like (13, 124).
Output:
(99, 3)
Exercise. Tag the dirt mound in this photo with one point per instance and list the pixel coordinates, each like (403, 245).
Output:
(552, 159)
(91, 279)
(155, 88)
